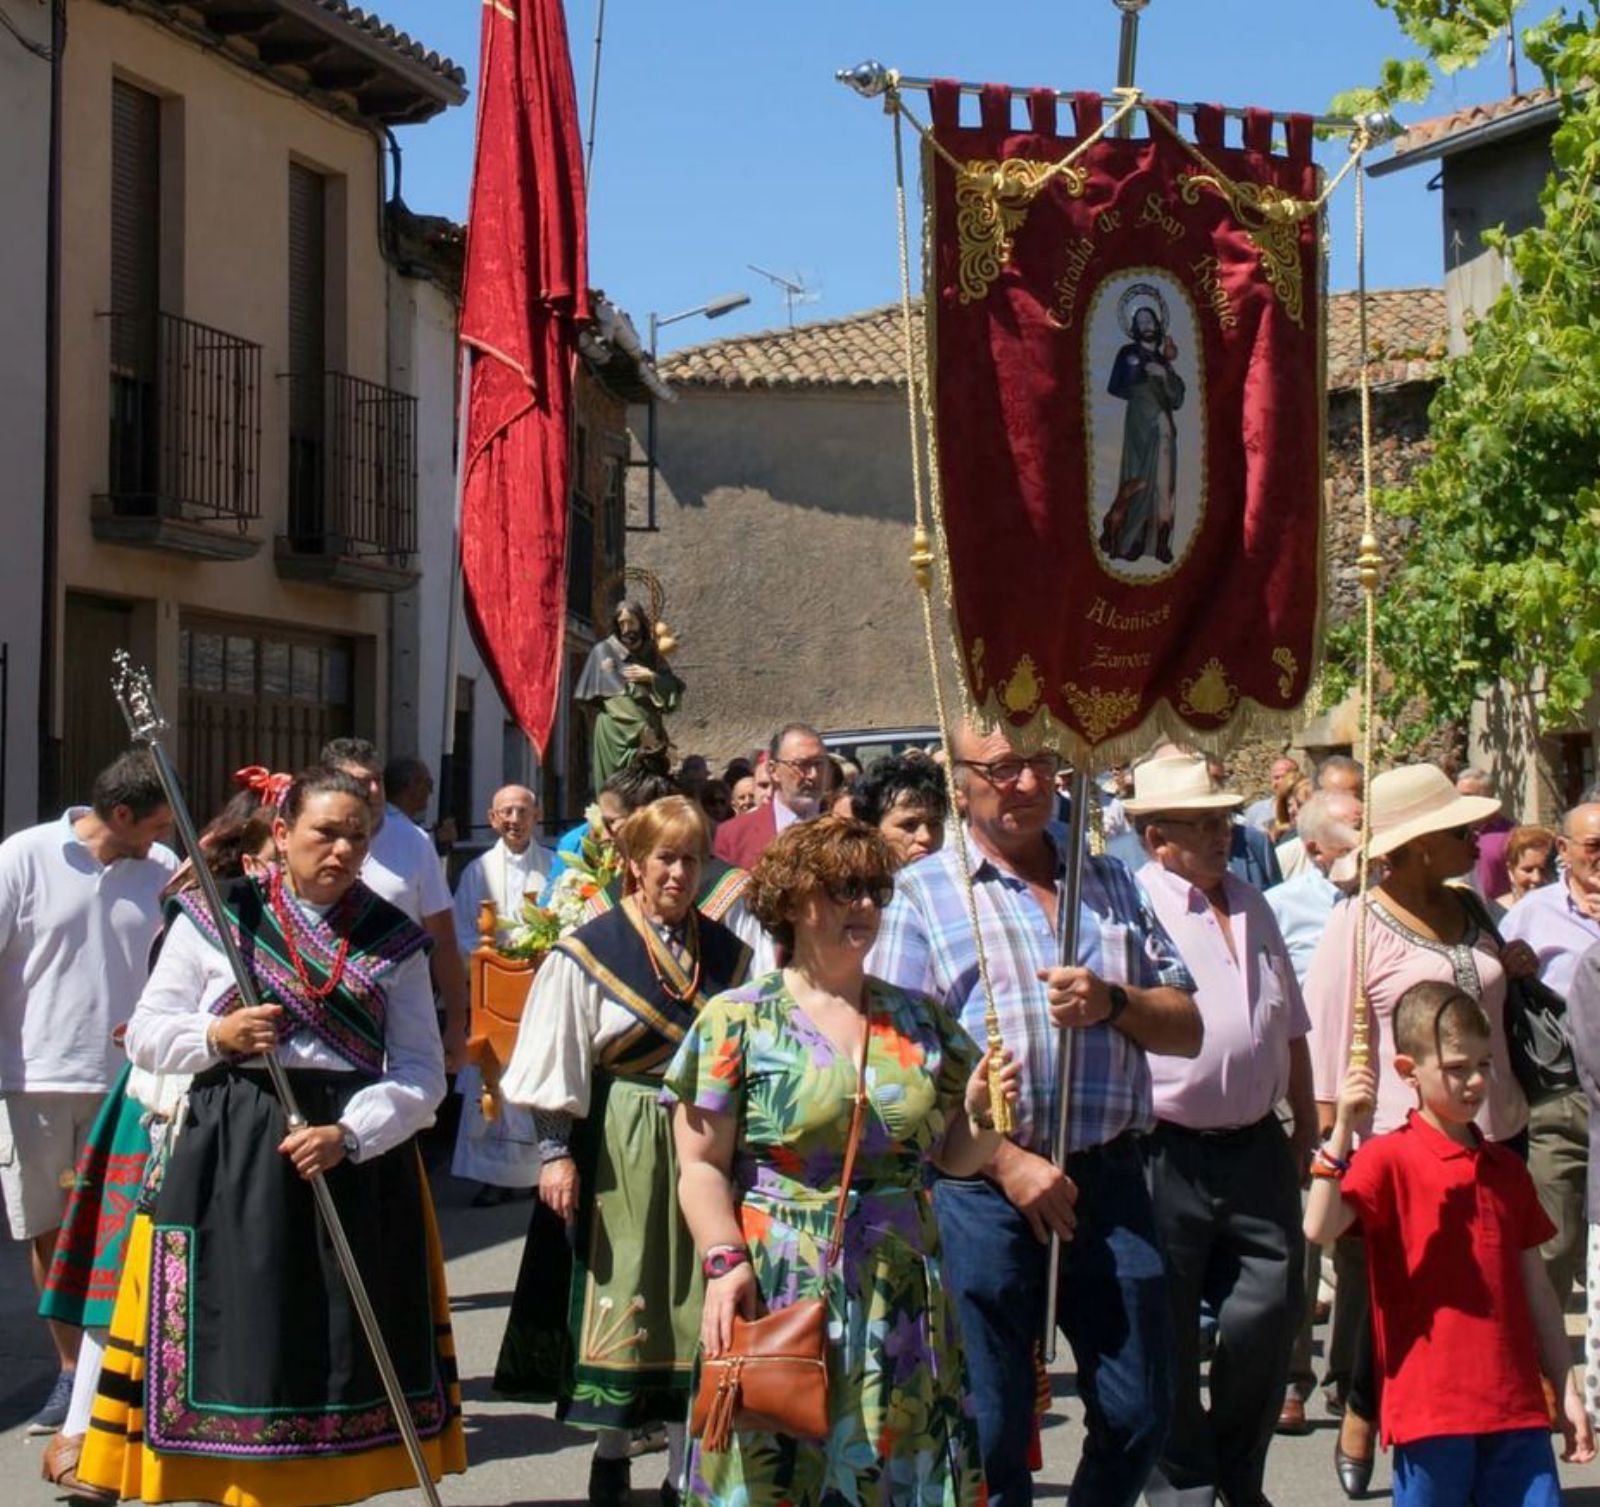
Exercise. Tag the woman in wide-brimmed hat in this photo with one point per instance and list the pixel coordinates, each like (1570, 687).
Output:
(1421, 927)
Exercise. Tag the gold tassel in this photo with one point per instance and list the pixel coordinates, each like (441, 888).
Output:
(999, 1106)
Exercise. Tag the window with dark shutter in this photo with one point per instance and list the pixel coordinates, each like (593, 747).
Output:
(135, 295)
(135, 225)
(307, 349)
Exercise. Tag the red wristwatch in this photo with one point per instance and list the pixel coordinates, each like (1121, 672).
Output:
(721, 1259)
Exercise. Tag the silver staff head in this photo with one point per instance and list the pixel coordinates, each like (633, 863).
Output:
(1379, 126)
(1130, 7)
(868, 79)
(136, 697)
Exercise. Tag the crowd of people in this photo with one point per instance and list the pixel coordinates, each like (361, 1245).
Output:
(756, 1069)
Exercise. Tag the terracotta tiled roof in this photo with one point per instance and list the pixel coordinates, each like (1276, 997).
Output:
(1428, 133)
(1406, 335)
(1407, 329)
(401, 42)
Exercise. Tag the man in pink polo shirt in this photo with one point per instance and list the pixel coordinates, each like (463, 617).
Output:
(1224, 1178)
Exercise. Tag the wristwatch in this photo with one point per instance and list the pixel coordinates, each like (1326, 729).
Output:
(1119, 1002)
(722, 1259)
(349, 1140)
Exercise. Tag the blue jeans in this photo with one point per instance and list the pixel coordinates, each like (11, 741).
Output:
(1514, 1469)
(1113, 1311)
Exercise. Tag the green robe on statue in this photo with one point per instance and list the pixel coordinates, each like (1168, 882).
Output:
(626, 712)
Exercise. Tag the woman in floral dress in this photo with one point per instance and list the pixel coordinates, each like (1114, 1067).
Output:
(764, 1086)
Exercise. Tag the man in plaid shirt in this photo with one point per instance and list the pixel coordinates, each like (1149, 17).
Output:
(1128, 995)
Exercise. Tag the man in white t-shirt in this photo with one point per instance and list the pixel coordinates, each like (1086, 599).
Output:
(80, 904)
(403, 868)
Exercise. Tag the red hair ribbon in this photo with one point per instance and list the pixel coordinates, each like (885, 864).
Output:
(269, 786)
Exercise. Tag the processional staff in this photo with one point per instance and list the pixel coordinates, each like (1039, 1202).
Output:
(147, 725)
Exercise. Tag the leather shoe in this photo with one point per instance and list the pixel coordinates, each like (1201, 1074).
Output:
(1355, 1476)
(1292, 1416)
(60, 1469)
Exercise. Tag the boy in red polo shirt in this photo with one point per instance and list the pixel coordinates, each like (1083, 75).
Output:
(1464, 1319)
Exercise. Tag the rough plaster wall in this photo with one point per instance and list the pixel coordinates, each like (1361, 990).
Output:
(785, 524)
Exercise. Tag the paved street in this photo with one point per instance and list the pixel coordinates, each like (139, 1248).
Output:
(519, 1454)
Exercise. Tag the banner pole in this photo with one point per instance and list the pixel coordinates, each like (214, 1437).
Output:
(1068, 911)
(1128, 51)
(146, 725)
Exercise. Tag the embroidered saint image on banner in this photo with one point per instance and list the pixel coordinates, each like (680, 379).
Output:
(1145, 440)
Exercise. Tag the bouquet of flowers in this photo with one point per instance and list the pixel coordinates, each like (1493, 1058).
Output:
(585, 874)
(535, 931)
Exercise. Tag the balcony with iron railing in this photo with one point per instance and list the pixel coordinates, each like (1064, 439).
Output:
(184, 464)
(352, 517)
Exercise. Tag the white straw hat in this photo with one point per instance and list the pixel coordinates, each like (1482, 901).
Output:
(1417, 799)
(1177, 784)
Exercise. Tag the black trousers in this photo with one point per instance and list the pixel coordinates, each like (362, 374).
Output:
(1228, 1211)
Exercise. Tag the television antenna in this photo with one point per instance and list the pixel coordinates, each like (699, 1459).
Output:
(794, 288)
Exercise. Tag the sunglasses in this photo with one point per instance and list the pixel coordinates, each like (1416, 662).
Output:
(878, 892)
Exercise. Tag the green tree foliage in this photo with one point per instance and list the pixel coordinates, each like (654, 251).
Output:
(1494, 544)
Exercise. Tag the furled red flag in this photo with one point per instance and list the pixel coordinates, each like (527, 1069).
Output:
(525, 293)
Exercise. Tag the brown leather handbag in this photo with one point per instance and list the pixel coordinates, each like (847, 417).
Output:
(773, 1378)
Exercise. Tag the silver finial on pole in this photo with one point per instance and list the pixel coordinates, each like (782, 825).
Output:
(868, 79)
(1379, 126)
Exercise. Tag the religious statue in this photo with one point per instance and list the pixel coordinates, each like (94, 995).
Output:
(629, 688)
(1139, 520)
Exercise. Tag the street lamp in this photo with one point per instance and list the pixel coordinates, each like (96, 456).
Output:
(712, 309)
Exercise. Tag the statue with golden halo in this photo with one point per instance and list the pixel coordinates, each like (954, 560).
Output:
(627, 686)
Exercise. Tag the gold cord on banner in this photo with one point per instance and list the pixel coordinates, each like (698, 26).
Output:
(1368, 563)
(922, 562)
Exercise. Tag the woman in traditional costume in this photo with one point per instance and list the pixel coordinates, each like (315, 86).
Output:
(237, 1369)
(607, 1306)
(86, 1270)
(765, 1085)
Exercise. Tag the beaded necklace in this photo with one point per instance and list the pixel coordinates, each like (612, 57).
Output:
(287, 925)
(654, 942)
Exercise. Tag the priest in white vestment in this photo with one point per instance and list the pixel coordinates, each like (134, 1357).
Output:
(502, 1154)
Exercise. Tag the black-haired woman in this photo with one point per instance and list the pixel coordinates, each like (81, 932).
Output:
(903, 796)
(238, 1371)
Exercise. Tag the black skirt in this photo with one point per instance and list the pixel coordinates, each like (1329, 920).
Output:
(254, 1346)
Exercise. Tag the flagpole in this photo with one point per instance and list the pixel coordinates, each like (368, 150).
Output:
(1068, 908)
(447, 729)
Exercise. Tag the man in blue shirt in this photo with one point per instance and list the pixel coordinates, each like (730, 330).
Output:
(1127, 994)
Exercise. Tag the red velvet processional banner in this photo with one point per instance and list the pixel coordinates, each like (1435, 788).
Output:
(1127, 385)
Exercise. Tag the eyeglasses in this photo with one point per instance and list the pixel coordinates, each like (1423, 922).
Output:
(1004, 772)
(1461, 834)
(878, 891)
(803, 766)
(1588, 846)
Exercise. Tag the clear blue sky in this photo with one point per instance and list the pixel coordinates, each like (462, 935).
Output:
(723, 138)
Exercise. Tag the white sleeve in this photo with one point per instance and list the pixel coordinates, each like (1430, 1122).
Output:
(763, 950)
(402, 1101)
(167, 1033)
(551, 1063)
(13, 883)
(471, 891)
(435, 893)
